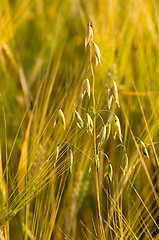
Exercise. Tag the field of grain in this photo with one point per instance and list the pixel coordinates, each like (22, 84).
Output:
(79, 119)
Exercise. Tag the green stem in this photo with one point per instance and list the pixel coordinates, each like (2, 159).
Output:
(94, 168)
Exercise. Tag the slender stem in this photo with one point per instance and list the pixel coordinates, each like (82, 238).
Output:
(94, 105)
(95, 172)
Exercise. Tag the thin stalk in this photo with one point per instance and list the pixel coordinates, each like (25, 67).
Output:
(94, 169)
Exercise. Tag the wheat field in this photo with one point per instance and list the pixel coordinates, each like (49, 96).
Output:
(79, 128)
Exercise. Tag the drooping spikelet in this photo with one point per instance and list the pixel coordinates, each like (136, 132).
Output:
(117, 128)
(78, 119)
(108, 129)
(102, 134)
(97, 52)
(59, 117)
(116, 96)
(109, 171)
(89, 123)
(109, 101)
(89, 34)
(94, 60)
(143, 149)
(114, 91)
(86, 87)
(124, 162)
(109, 98)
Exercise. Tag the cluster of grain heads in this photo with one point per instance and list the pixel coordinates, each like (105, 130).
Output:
(78, 119)
(59, 117)
(112, 97)
(86, 87)
(96, 55)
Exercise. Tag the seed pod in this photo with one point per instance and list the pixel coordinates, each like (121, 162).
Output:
(108, 129)
(59, 117)
(102, 134)
(124, 162)
(117, 128)
(97, 52)
(143, 149)
(109, 171)
(89, 34)
(71, 159)
(89, 123)
(78, 119)
(86, 87)
(115, 92)
(108, 97)
(94, 60)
